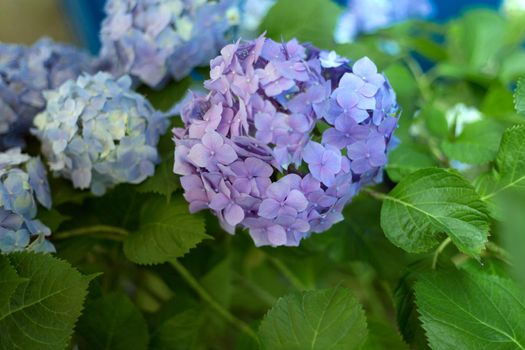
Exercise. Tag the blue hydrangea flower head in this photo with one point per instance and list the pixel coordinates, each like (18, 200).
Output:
(97, 132)
(285, 137)
(23, 184)
(366, 16)
(25, 73)
(153, 40)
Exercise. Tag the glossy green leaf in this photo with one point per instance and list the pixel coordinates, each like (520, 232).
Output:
(460, 310)
(167, 231)
(383, 337)
(321, 319)
(113, 323)
(181, 332)
(431, 203)
(43, 310)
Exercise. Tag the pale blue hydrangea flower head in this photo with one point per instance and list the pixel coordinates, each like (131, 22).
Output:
(23, 184)
(366, 16)
(97, 132)
(284, 139)
(25, 72)
(153, 40)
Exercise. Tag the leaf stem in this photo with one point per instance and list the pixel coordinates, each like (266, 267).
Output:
(115, 233)
(440, 250)
(421, 79)
(375, 194)
(228, 316)
(279, 265)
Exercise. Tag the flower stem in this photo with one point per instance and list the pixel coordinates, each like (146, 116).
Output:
(228, 316)
(421, 79)
(101, 231)
(375, 194)
(440, 250)
(279, 265)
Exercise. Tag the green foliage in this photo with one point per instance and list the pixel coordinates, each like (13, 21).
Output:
(471, 311)
(314, 22)
(167, 231)
(9, 280)
(42, 311)
(477, 144)
(322, 319)
(432, 202)
(519, 97)
(112, 323)
(406, 159)
(382, 337)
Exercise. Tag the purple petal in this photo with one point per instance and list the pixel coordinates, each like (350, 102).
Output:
(199, 155)
(313, 152)
(335, 138)
(278, 191)
(276, 235)
(233, 214)
(360, 166)
(364, 67)
(269, 208)
(296, 200)
(226, 154)
(212, 140)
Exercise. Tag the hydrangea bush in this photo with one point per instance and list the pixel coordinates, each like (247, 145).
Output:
(23, 184)
(156, 39)
(284, 139)
(97, 132)
(366, 16)
(25, 73)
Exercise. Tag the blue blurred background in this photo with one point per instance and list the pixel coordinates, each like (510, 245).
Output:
(79, 20)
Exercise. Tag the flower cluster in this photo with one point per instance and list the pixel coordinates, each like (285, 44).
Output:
(285, 138)
(25, 72)
(154, 39)
(23, 183)
(366, 16)
(98, 133)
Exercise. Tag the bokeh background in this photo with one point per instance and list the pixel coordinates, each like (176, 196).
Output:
(77, 21)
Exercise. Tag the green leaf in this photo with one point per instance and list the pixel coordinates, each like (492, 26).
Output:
(43, 310)
(164, 182)
(9, 280)
(167, 97)
(460, 310)
(52, 218)
(181, 332)
(113, 323)
(383, 337)
(432, 202)
(167, 231)
(315, 22)
(510, 164)
(477, 144)
(321, 319)
(218, 281)
(405, 159)
(519, 96)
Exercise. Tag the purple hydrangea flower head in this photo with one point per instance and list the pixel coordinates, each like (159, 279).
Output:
(97, 132)
(285, 137)
(366, 16)
(154, 40)
(23, 184)
(25, 73)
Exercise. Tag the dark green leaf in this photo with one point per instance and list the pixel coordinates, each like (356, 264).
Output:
(432, 202)
(460, 310)
(43, 310)
(181, 332)
(167, 231)
(113, 323)
(9, 280)
(314, 22)
(383, 337)
(167, 97)
(52, 218)
(164, 182)
(322, 319)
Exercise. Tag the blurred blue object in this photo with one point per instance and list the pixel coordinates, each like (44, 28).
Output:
(86, 15)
